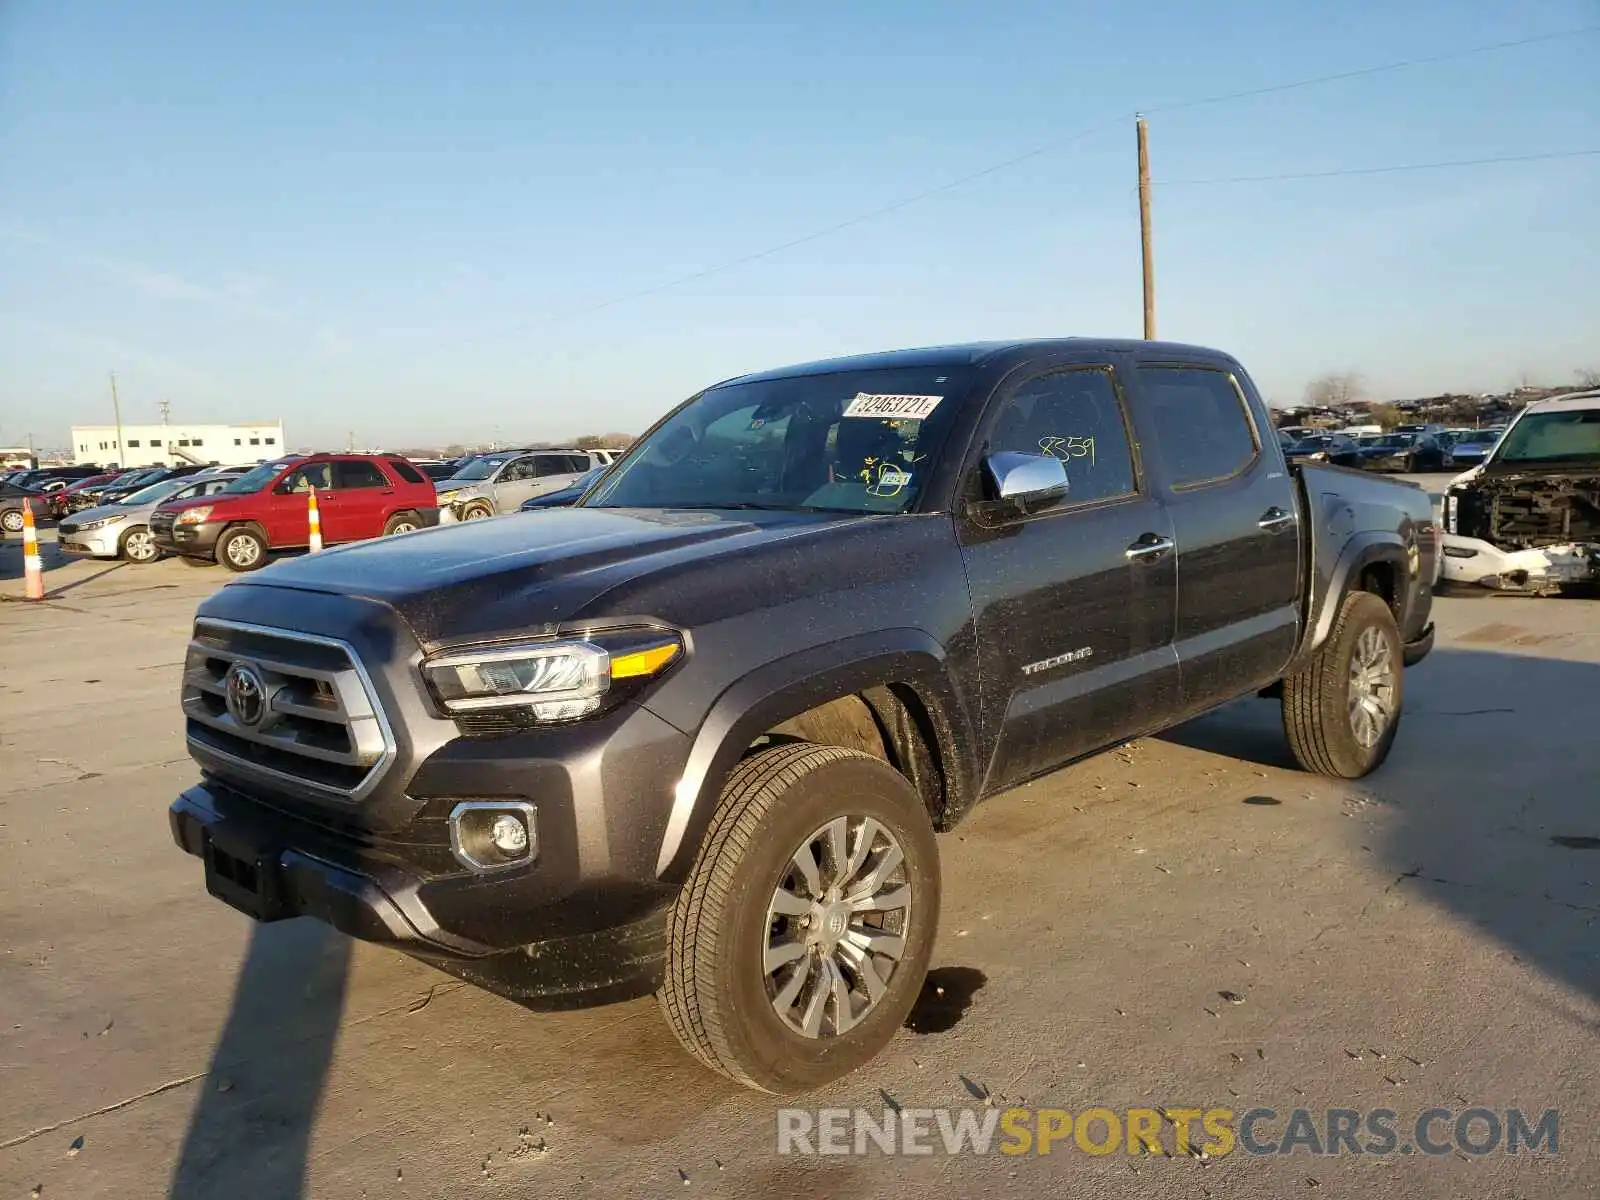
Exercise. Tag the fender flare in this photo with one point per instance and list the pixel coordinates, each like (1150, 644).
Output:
(1359, 553)
(787, 687)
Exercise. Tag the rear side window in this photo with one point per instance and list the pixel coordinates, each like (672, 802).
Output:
(360, 475)
(1201, 423)
(405, 470)
(553, 464)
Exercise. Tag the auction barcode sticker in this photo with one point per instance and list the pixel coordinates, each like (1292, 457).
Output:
(904, 408)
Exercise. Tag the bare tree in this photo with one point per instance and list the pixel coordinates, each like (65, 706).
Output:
(1588, 378)
(1335, 389)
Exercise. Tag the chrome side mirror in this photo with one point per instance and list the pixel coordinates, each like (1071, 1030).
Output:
(1027, 478)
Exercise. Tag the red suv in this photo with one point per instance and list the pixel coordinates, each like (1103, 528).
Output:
(358, 496)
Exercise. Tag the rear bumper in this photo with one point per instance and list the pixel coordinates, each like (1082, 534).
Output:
(273, 867)
(1476, 562)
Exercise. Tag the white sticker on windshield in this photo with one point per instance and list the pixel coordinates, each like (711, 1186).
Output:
(902, 408)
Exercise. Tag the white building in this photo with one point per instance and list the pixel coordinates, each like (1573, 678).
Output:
(170, 445)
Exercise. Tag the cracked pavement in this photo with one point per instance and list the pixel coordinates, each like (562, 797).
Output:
(1422, 937)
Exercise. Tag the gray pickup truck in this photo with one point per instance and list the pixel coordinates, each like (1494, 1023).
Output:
(696, 734)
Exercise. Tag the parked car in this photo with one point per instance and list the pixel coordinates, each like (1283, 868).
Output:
(1471, 446)
(61, 501)
(1318, 447)
(115, 491)
(49, 479)
(121, 484)
(565, 496)
(695, 733)
(121, 529)
(1527, 517)
(498, 483)
(266, 509)
(1407, 452)
(12, 500)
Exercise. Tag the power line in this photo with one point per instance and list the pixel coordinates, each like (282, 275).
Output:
(1027, 156)
(1428, 166)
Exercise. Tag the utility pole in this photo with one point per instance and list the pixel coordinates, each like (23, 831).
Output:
(116, 410)
(1145, 252)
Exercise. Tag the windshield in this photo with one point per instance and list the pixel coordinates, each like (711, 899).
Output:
(256, 478)
(1553, 437)
(852, 441)
(481, 467)
(155, 492)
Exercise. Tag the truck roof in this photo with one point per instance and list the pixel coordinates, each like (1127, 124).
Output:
(974, 354)
(1572, 402)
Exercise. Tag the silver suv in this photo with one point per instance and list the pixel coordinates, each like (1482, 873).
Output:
(498, 483)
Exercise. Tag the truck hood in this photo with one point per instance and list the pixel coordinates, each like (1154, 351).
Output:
(533, 570)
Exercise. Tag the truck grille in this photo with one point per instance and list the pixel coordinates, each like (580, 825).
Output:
(291, 709)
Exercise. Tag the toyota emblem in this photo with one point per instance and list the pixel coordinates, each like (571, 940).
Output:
(245, 694)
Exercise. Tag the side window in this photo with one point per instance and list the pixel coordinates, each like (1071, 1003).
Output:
(1201, 423)
(517, 470)
(316, 476)
(356, 474)
(1075, 416)
(577, 464)
(551, 464)
(405, 470)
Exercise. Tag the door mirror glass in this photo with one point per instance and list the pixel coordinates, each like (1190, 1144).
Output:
(1026, 479)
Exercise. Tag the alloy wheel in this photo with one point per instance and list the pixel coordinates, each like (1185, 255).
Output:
(1372, 687)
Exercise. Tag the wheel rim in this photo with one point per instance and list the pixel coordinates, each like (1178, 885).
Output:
(141, 547)
(244, 552)
(12, 522)
(1372, 687)
(836, 927)
(402, 527)
(474, 514)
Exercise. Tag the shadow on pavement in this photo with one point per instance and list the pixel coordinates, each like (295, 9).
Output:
(250, 1133)
(1492, 785)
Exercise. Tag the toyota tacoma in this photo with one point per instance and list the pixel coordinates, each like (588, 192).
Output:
(696, 734)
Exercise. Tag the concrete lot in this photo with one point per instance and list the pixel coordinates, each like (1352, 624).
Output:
(1424, 938)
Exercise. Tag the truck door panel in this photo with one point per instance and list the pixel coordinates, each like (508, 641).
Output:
(1235, 515)
(1074, 631)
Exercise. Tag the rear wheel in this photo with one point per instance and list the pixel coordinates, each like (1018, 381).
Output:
(402, 522)
(139, 545)
(1342, 709)
(802, 938)
(11, 520)
(242, 550)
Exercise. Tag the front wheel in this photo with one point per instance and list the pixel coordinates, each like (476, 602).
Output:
(1342, 709)
(11, 520)
(477, 512)
(802, 937)
(138, 545)
(242, 550)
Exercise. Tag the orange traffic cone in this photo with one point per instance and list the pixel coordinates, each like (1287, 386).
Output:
(32, 564)
(316, 521)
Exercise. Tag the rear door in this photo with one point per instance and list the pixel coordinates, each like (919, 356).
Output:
(1235, 517)
(552, 472)
(1074, 602)
(362, 497)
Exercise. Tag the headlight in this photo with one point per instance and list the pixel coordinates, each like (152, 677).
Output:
(100, 524)
(1318, 455)
(193, 516)
(557, 680)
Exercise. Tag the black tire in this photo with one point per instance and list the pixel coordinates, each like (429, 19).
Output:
(242, 549)
(715, 994)
(401, 522)
(11, 520)
(1316, 698)
(137, 546)
(476, 511)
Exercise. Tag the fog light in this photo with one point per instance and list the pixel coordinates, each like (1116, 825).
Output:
(490, 835)
(509, 835)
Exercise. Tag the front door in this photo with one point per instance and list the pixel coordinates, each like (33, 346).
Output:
(362, 497)
(287, 518)
(1074, 602)
(1235, 517)
(517, 482)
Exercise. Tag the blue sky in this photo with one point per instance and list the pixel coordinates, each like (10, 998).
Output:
(382, 217)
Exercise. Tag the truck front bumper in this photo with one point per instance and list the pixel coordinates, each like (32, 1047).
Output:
(1474, 561)
(273, 867)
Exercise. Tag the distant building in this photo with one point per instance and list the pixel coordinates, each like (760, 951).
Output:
(14, 457)
(172, 445)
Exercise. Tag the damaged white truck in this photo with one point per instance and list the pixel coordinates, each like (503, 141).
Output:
(1527, 519)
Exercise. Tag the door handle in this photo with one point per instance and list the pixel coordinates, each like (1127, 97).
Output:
(1150, 545)
(1275, 519)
